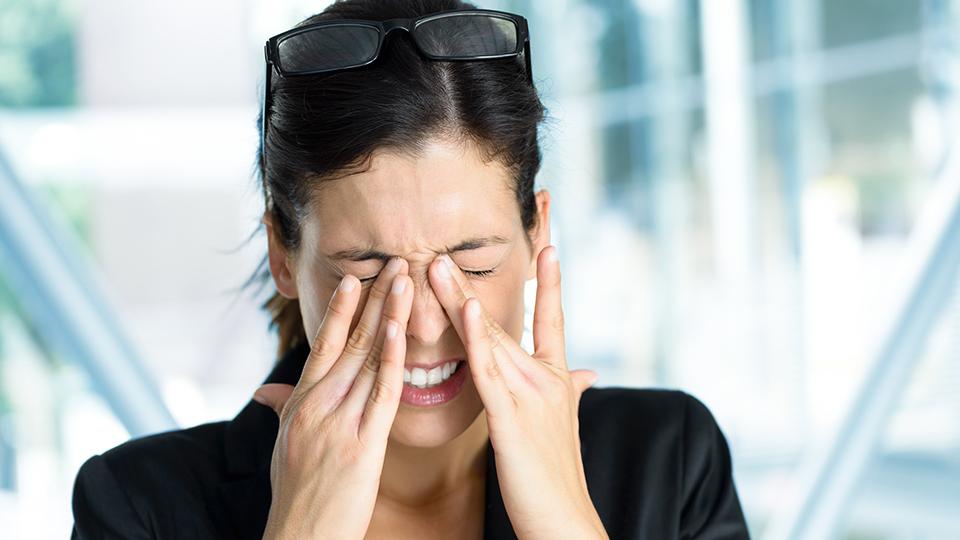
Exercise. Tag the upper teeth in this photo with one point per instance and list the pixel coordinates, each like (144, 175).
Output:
(422, 378)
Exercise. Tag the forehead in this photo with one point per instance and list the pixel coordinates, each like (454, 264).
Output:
(408, 202)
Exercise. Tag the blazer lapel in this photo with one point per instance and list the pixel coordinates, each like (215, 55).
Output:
(243, 498)
(496, 523)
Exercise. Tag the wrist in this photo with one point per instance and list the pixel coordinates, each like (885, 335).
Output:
(588, 526)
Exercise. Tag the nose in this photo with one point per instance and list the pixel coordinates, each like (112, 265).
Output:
(428, 320)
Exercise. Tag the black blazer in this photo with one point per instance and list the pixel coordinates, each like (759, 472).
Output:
(657, 467)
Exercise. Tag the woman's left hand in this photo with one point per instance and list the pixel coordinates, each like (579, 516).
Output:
(531, 403)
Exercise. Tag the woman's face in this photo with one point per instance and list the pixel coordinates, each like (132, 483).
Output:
(418, 208)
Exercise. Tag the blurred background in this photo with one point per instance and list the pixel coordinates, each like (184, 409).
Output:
(769, 190)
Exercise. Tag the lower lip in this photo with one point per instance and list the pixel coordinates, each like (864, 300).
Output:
(436, 395)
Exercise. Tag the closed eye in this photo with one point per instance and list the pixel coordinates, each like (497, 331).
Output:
(477, 273)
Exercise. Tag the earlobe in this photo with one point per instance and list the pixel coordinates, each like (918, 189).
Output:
(541, 234)
(279, 263)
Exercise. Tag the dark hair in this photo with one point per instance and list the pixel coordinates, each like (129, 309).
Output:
(329, 124)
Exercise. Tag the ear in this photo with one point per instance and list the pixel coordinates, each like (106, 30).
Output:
(283, 276)
(540, 235)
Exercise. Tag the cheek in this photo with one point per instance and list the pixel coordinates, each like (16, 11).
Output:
(503, 299)
(314, 296)
(312, 305)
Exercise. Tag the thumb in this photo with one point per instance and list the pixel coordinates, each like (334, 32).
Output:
(273, 395)
(583, 379)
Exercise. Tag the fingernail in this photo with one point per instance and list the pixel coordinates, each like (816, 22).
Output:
(552, 254)
(444, 269)
(346, 284)
(259, 399)
(394, 265)
(399, 284)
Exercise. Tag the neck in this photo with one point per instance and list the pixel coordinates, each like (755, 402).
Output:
(418, 478)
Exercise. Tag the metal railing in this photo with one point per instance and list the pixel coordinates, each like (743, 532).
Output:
(62, 301)
(831, 477)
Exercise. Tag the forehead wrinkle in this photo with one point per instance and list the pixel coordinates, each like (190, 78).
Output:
(396, 204)
(411, 233)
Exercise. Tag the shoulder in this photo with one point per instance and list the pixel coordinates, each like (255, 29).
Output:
(117, 488)
(638, 441)
(662, 423)
(189, 453)
(634, 415)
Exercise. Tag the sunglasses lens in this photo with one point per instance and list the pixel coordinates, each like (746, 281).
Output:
(468, 35)
(328, 47)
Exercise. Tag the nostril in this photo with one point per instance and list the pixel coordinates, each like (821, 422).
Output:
(428, 322)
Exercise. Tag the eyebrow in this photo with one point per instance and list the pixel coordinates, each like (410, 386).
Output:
(359, 254)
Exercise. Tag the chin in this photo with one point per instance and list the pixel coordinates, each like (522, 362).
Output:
(429, 427)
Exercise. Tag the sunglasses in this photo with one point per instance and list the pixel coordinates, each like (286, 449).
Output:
(341, 44)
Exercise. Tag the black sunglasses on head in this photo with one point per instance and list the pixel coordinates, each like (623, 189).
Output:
(340, 44)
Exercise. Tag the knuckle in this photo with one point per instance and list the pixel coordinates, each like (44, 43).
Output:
(300, 418)
(494, 346)
(382, 393)
(328, 425)
(322, 347)
(361, 334)
(372, 361)
(497, 335)
(556, 322)
(376, 349)
(337, 309)
(380, 288)
(493, 369)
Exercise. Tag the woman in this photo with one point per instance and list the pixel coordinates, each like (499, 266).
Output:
(402, 225)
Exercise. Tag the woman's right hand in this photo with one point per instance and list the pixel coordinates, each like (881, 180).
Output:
(334, 424)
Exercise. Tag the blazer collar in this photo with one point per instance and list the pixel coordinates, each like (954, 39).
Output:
(248, 449)
(250, 436)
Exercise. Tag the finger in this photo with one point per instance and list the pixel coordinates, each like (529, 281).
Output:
(548, 341)
(344, 372)
(367, 386)
(273, 395)
(453, 289)
(384, 398)
(493, 374)
(517, 369)
(332, 333)
(363, 335)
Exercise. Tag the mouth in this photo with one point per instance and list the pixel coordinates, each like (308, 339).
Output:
(424, 389)
(419, 377)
